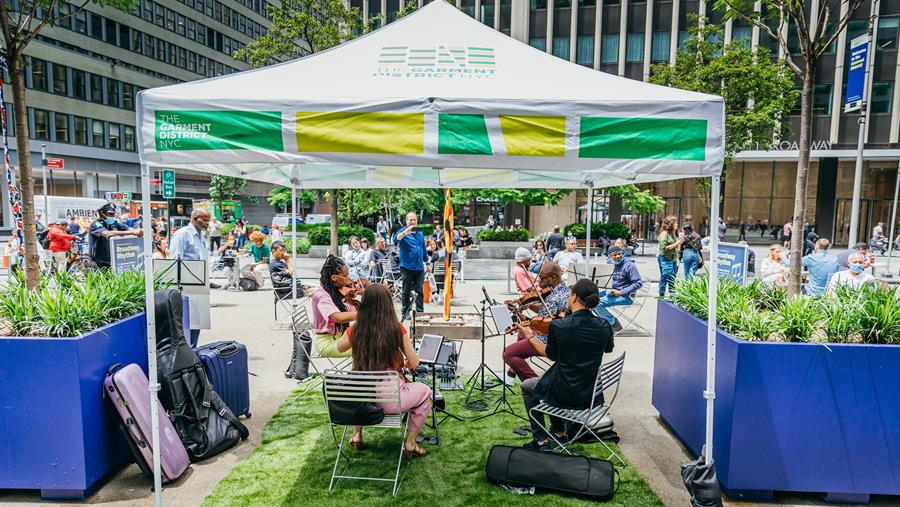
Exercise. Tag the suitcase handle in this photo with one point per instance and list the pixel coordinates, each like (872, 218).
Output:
(227, 349)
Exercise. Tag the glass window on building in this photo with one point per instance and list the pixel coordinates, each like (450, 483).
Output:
(682, 37)
(41, 124)
(793, 39)
(159, 15)
(487, 13)
(137, 40)
(538, 43)
(147, 11)
(822, 98)
(538, 4)
(584, 49)
(659, 46)
(172, 54)
(79, 85)
(38, 74)
(742, 34)
(113, 97)
(887, 33)
(182, 58)
(112, 35)
(60, 79)
(882, 94)
(561, 47)
(170, 20)
(634, 47)
(61, 127)
(127, 96)
(180, 22)
(767, 41)
(97, 134)
(609, 48)
(80, 131)
(191, 29)
(129, 138)
(115, 136)
(855, 28)
(96, 26)
(81, 22)
(96, 88)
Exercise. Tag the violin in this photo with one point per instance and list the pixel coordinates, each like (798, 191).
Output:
(539, 324)
(534, 295)
(352, 292)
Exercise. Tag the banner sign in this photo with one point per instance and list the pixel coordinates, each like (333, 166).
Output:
(126, 253)
(856, 77)
(733, 261)
(118, 196)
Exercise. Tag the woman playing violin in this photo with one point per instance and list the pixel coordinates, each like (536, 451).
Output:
(333, 307)
(530, 342)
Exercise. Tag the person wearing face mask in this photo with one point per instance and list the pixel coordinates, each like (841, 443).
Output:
(854, 277)
(104, 228)
(626, 280)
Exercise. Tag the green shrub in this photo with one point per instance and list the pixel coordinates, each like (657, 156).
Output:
(427, 229)
(303, 245)
(322, 235)
(757, 326)
(799, 318)
(879, 317)
(614, 230)
(493, 235)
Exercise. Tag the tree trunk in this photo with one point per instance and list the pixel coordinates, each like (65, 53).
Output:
(26, 179)
(334, 222)
(797, 234)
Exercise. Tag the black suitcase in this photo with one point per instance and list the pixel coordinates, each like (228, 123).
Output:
(552, 471)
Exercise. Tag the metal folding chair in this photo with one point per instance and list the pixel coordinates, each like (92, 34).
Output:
(392, 277)
(287, 306)
(300, 323)
(608, 377)
(628, 314)
(364, 387)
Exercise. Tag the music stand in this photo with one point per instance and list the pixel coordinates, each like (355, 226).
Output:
(486, 304)
(434, 352)
(503, 319)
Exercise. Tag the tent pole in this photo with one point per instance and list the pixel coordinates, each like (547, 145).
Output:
(149, 306)
(590, 210)
(293, 239)
(712, 270)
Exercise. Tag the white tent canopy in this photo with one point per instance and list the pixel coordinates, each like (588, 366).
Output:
(435, 99)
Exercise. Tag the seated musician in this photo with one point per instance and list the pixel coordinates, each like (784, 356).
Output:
(524, 278)
(381, 343)
(332, 311)
(577, 344)
(553, 305)
(626, 280)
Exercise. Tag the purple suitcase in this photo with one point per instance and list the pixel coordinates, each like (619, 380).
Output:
(127, 388)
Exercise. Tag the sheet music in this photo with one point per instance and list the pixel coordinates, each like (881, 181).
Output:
(502, 317)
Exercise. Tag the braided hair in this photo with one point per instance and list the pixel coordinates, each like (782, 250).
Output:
(333, 266)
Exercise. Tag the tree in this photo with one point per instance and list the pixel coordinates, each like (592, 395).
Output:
(758, 93)
(640, 202)
(280, 197)
(525, 197)
(225, 188)
(21, 22)
(811, 22)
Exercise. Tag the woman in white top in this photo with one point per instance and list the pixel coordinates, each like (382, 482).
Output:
(774, 267)
(853, 277)
(357, 261)
(160, 249)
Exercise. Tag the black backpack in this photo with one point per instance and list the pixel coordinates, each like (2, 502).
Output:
(248, 284)
(204, 423)
(43, 238)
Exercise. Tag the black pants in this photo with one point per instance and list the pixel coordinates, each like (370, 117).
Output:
(532, 400)
(412, 281)
(214, 243)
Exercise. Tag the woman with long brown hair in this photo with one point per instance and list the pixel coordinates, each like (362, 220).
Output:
(379, 342)
(668, 253)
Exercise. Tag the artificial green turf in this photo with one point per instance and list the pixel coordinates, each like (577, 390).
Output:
(292, 466)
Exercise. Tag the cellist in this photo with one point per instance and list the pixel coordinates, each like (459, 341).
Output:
(531, 343)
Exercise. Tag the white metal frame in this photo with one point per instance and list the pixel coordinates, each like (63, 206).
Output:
(629, 313)
(364, 387)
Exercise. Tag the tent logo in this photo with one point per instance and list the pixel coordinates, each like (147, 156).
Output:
(472, 62)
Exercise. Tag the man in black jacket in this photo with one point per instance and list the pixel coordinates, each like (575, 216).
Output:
(281, 272)
(577, 344)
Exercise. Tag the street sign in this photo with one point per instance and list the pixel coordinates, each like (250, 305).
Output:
(55, 163)
(118, 196)
(168, 183)
(856, 77)
(733, 261)
(126, 253)
(155, 181)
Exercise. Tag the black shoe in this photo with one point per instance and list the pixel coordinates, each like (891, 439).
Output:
(522, 430)
(214, 286)
(534, 445)
(616, 326)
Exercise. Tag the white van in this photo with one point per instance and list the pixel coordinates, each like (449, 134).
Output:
(284, 219)
(318, 218)
(81, 208)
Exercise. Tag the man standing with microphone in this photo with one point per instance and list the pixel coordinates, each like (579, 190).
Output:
(413, 258)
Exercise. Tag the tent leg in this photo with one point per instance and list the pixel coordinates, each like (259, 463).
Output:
(293, 239)
(149, 306)
(713, 263)
(590, 210)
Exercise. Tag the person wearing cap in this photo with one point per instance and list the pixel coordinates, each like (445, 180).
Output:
(524, 278)
(569, 256)
(626, 280)
(844, 257)
(60, 243)
(104, 228)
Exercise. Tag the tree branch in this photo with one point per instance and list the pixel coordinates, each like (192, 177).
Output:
(12, 48)
(47, 16)
(69, 15)
(851, 10)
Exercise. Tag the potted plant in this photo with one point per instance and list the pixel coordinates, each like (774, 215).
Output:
(805, 389)
(58, 433)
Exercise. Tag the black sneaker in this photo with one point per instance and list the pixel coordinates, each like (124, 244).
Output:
(616, 326)
(214, 286)
(534, 445)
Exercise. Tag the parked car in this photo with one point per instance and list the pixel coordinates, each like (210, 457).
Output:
(318, 218)
(284, 219)
(176, 223)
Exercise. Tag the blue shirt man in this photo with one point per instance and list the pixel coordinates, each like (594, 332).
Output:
(626, 280)
(188, 244)
(413, 258)
(821, 265)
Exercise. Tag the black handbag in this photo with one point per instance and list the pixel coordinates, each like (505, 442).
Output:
(299, 366)
(355, 413)
(552, 471)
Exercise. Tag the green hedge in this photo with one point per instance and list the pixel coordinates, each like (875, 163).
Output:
(614, 230)
(322, 235)
(303, 245)
(515, 235)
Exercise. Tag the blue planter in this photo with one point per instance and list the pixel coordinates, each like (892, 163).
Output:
(788, 416)
(57, 432)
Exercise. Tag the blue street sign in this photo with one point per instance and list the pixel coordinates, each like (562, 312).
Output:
(856, 77)
(733, 261)
(127, 253)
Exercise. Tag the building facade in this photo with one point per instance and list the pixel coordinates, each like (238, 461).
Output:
(82, 77)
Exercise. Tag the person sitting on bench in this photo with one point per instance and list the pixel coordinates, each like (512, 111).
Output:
(332, 311)
(626, 280)
(281, 273)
